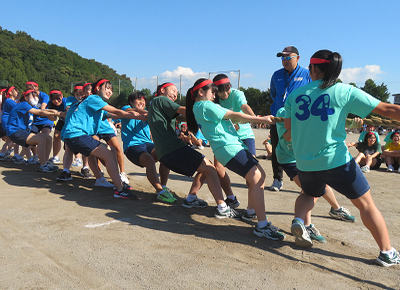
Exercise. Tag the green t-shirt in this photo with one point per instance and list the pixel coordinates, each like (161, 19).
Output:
(234, 103)
(364, 148)
(284, 149)
(219, 132)
(318, 118)
(161, 119)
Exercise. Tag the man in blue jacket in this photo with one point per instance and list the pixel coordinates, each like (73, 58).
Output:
(283, 82)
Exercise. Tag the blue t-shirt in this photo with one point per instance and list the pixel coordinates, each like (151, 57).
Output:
(221, 134)
(134, 132)
(19, 118)
(70, 100)
(200, 135)
(318, 118)
(284, 149)
(8, 105)
(83, 118)
(40, 120)
(60, 108)
(234, 103)
(105, 127)
(282, 84)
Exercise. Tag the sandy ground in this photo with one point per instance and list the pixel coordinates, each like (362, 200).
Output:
(74, 236)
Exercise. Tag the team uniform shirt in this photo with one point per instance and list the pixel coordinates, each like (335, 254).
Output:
(318, 120)
(161, 119)
(282, 84)
(40, 120)
(362, 136)
(364, 148)
(70, 100)
(9, 104)
(392, 147)
(60, 108)
(234, 103)
(83, 118)
(221, 133)
(284, 149)
(105, 127)
(19, 118)
(200, 135)
(134, 132)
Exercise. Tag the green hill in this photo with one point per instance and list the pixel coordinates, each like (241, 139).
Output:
(23, 58)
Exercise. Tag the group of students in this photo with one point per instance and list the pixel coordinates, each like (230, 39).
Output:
(316, 112)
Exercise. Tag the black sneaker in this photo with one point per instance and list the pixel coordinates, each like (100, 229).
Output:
(65, 176)
(125, 194)
(232, 203)
(85, 173)
(124, 186)
(227, 213)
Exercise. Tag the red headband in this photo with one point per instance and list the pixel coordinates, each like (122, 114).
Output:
(9, 91)
(32, 83)
(55, 92)
(200, 85)
(86, 85)
(222, 81)
(78, 88)
(164, 86)
(101, 82)
(2, 90)
(318, 61)
(28, 92)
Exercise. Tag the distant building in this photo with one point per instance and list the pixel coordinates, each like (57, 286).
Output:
(397, 99)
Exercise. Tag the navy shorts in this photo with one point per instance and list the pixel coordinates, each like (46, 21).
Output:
(347, 179)
(184, 161)
(251, 145)
(133, 152)
(242, 163)
(20, 137)
(106, 137)
(59, 125)
(84, 144)
(39, 128)
(290, 169)
(2, 131)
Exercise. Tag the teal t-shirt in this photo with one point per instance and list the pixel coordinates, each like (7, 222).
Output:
(134, 132)
(284, 149)
(234, 103)
(219, 132)
(161, 118)
(318, 118)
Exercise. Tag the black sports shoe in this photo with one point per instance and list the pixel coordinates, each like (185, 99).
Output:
(85, 173)
(232, 203)
(125, 194)
(65, 176)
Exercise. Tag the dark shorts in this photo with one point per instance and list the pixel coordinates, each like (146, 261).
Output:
(347, 179)
(251, 145)
(106, 137)
(83, 144)
(2, 131)
(242, 163)
(59, 125)
(20, 137)
(39, 128)
(378, 163)
(395, 164)
(133, 152)
(184, 161)
(290, 169)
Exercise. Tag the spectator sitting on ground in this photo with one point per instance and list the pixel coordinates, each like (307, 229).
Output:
(369, 152)
(392, 153)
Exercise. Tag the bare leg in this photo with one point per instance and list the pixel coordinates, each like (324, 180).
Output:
(211, 176)
(255, 179)
(56, 143)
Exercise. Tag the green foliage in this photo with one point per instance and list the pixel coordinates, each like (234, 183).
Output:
(259, 101)
(23, 58)
(380, 92)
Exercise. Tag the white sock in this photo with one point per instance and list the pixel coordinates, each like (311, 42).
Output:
(231, 197)
(85, 167)
(390, 253)
(66, 170)
(251, 211)
(222, 207)
(191, 197)
(262, 224)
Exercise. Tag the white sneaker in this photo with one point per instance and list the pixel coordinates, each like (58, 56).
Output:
(124, 177)
(201, 147)
(77, 162)
(55, 160)
(103, 183)
(390, 168)
(276, 185)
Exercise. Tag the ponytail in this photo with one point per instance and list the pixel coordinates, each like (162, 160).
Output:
(330, 65)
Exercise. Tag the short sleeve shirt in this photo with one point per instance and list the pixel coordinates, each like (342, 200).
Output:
(161, 118)
(8, 105)
(20, 118)
(40, 120)
(320, 115)
(134, 132)
(234, 103)
(284, 149)
(219, 132)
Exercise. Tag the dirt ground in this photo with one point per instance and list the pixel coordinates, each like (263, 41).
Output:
(74, 236)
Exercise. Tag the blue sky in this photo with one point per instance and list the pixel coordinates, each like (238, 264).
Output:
(146, 39)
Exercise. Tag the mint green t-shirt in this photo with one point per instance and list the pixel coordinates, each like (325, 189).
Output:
(219, 132)
(234, 103)
(318, 118)
(284, 149)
